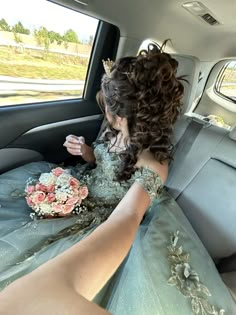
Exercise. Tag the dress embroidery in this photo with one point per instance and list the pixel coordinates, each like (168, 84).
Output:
(150, 181)
(187, 280)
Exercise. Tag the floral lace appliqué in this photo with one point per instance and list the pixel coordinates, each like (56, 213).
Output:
(187, 280)
(150, 181)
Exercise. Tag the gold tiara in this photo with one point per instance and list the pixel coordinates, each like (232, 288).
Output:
(107, 66)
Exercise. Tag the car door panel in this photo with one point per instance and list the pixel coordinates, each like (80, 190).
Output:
(43, 128)
(48, 139)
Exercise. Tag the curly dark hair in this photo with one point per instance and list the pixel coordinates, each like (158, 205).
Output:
(146, 91)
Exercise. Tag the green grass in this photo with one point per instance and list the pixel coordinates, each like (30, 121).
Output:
(40, 65)
(44, 72)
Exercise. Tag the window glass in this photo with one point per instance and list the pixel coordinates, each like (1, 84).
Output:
(44, 51)
(226, 82)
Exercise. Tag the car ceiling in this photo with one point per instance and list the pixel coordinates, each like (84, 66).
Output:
(159, 20)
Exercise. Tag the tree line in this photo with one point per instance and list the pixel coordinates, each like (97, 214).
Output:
(43, 36)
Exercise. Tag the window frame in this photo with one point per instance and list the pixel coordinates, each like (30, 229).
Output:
(105, 46)
(218, 83)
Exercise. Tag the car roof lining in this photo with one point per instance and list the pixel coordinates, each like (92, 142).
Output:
(159, 20)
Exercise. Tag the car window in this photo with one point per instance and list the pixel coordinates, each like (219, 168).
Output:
(226, 81)
(44, 51)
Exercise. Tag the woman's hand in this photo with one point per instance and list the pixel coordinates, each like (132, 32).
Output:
(76, 146)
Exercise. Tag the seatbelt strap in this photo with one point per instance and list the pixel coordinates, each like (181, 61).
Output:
(186, 141)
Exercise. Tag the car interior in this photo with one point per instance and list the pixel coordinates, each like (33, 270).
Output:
(202, 175)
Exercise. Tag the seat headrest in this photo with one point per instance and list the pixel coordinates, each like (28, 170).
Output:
(190, 67)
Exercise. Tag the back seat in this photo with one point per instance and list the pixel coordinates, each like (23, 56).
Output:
(203, 182)
(202, 179)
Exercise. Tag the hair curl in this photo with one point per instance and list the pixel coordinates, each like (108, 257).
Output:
(146, 91)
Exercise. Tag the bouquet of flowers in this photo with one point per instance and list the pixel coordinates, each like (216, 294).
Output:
(55, 194)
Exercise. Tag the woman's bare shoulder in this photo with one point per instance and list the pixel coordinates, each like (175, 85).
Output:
(147, 159)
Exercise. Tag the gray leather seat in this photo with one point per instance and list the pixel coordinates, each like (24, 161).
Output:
(202, 179)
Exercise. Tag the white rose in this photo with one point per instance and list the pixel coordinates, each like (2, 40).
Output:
(63, 180)
(47, 179)
(61, 195)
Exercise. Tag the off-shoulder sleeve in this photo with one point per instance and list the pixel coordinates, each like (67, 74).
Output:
(150, 181)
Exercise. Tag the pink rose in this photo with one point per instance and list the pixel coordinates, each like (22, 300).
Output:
(63, 210)
(51, 188)
(68, 209)
(57, 171)
(30, 189)
(38, 197)
(74, 182)
(73, 201)
(40, 187)
(83, 192)
(50, 197)
(29, 201)
(58, 208)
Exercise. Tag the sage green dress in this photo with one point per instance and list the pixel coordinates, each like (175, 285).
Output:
(167, 271)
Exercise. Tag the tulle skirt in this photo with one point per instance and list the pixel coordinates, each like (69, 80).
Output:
(167, 271)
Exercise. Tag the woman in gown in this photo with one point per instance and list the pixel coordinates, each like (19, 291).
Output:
(167, 271)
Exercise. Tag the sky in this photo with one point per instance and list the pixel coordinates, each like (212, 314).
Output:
(36, 13)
